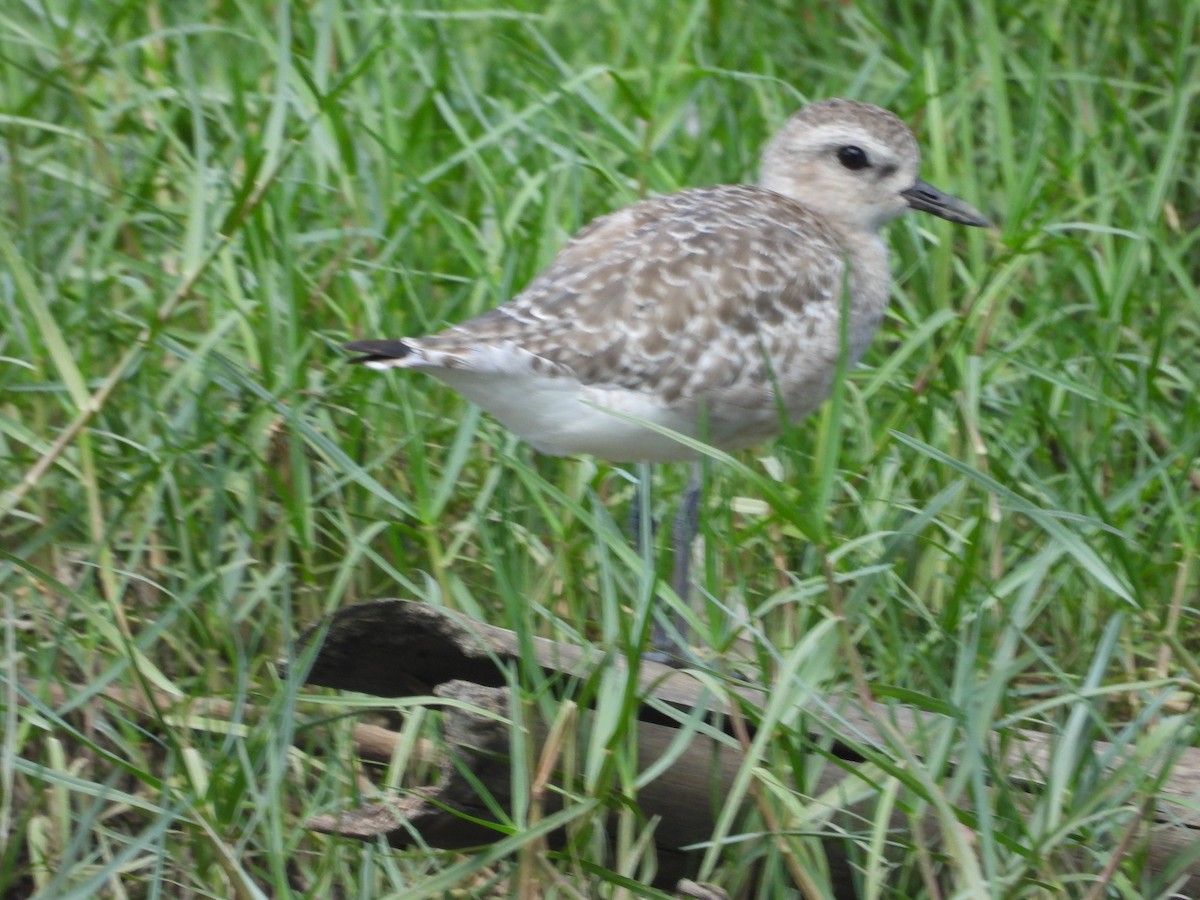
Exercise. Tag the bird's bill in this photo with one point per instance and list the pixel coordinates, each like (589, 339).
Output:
(925, 197)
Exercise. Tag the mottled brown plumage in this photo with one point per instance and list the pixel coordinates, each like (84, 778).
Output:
(690, 310)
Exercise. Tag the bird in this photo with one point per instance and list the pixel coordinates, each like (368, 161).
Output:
(713, 312)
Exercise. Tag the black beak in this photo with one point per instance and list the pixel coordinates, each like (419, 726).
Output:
(925, 197)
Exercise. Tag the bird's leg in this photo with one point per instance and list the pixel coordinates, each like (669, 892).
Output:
(641, 511)
(641, 523)
(683, 534)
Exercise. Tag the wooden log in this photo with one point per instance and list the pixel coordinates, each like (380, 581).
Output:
(399, 648)
(446, 815)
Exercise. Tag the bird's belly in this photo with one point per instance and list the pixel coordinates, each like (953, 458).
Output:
(562, 417)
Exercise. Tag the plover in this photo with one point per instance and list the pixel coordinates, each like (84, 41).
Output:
(712, 312)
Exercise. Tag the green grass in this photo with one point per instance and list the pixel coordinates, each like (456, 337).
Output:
(202, 200)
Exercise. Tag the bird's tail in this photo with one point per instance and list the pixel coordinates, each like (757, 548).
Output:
(378, 354)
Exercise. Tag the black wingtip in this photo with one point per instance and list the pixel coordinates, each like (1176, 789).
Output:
(377, 351)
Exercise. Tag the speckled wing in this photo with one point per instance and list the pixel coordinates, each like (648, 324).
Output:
(681, 296)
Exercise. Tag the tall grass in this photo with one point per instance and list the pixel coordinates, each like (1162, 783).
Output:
(202, 200)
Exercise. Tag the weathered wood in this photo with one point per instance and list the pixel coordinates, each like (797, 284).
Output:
(401, 648)
(443, 815)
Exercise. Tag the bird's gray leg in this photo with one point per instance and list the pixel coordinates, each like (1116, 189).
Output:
(683, 533)
(641, 511)
(642, 524)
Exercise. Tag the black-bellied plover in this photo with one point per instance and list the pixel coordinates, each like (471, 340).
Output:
(711, 312)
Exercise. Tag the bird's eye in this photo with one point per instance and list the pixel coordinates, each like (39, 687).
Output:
(853, 157)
